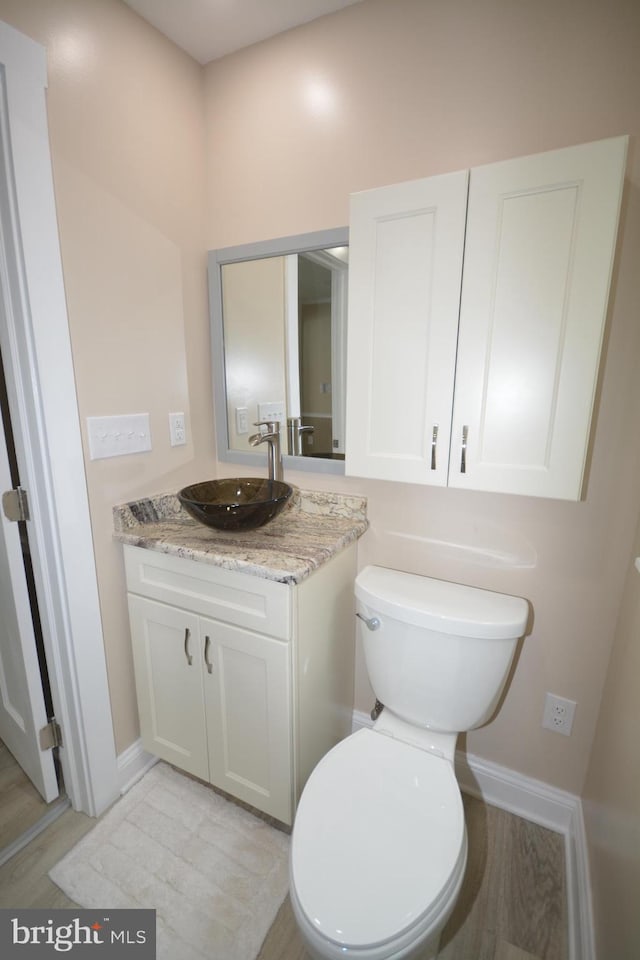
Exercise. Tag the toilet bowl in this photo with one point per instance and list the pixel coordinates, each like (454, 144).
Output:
(379, 845)
(378, 851)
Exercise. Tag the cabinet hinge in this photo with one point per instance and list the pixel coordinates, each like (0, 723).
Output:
(51, 735)
(15, 504)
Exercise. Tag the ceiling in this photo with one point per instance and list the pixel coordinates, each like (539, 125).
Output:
(208, 29)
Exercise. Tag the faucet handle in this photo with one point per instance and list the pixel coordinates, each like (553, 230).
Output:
(273, 425)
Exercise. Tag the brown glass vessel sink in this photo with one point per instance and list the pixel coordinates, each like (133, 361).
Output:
(237, 503)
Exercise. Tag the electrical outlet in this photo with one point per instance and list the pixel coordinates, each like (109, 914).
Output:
(558, 714)
(177, 429)
(242, 420)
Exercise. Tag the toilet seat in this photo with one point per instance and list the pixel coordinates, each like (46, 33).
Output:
(379, 845)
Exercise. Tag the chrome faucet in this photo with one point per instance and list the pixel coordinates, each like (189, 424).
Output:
(294, 435)
(272, 437)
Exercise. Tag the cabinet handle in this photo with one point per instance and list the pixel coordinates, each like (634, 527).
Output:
(434, 441)
(207, 644)
(463, 459)
(187, 634)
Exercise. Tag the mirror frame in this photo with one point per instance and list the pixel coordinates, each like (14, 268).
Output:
(300, 243)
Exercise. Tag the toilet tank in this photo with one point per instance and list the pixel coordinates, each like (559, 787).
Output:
(439, 654)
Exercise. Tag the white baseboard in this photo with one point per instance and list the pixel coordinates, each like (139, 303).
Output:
(582, 931)
(133, 763)
(542, 804)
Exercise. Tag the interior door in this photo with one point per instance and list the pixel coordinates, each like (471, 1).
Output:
(22, 707)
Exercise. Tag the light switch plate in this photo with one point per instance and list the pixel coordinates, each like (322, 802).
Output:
(119, 435)
(272, 411)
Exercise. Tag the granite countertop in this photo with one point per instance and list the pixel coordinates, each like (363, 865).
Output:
(311, 529)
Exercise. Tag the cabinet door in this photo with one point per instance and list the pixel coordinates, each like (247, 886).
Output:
(405, 261)
(168, 672)
(247, 696)
(539, 250)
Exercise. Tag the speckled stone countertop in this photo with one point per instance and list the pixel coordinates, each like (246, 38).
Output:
(312, 528)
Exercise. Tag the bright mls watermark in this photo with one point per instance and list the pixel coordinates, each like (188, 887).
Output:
(80, 934)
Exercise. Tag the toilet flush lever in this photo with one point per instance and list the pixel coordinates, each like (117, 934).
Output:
(372, 622)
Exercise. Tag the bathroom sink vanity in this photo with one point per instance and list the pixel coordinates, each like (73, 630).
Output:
(243, 643)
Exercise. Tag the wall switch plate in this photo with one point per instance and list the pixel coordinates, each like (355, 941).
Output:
(558, 714)
(272, 411)
(177, 429)
(119, 435)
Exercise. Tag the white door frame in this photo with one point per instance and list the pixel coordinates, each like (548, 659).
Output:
(36, 350)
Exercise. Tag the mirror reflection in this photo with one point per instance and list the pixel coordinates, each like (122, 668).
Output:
(283, 325)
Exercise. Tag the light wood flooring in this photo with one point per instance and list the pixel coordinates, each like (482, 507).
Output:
(21, 806)
(512, 905)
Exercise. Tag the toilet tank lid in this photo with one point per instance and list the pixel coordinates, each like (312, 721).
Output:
(440, 605)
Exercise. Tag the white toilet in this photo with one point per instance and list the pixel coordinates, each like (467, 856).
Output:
(379, 844)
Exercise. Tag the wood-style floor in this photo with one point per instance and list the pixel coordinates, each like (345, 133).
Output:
(512, 905)
(21, 806)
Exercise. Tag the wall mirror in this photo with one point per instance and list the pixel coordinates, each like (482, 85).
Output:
(279, 329)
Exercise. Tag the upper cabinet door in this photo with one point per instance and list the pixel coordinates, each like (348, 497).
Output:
(539, 250)
(406, 247)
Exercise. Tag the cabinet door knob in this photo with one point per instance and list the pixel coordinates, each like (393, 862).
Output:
(463, 458)
(434, 441)
(207, 646)
(187, 635)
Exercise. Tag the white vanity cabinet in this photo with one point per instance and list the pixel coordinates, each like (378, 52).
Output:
(242, 681)
(477, 304)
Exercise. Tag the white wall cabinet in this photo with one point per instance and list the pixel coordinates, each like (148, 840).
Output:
(243, 682)
(476, 314)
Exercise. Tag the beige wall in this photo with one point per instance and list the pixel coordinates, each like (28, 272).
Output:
(387, 90)
(125, 116)
(612, 792)
(315, 365)
(253, 308)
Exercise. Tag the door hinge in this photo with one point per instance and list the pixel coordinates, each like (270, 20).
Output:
(51, 735)
(15, 504)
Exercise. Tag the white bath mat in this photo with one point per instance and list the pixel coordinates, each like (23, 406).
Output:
(215, 874)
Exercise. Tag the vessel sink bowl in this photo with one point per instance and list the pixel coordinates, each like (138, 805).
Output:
(237, 503)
